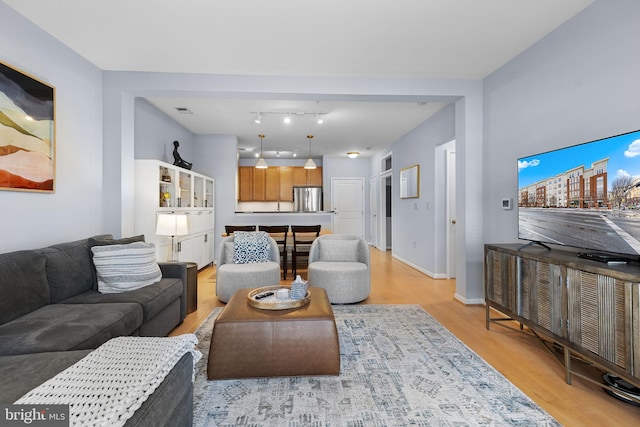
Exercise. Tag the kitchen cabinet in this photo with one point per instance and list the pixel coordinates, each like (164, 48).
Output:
(258, 184)
(274, 183)
(286, 184)
(299, 177)
(314, 177)
(245, 183)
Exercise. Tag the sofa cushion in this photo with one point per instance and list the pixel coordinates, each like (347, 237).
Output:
(69, 269)
(22, 373)
(251, 247)
(153, 299)
(104, 241)
(23, 284)
(122, 268)
(61, 327)
(338, 250)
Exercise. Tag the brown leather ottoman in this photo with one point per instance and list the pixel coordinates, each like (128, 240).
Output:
(249, 342)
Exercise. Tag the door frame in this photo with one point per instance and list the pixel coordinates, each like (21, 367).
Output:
(450, 206)
(373, 210)
(383, 245)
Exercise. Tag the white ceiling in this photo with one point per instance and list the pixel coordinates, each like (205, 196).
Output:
(453, 39)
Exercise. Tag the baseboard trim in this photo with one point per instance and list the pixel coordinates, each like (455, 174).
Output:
(420, 269)
(471, 301)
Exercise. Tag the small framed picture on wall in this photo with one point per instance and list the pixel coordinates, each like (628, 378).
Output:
(27, 132)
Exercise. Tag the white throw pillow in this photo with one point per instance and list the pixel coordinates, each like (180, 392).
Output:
(338, 250)
(122, 268)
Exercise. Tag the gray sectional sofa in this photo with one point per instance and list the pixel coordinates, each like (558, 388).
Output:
(52, 315)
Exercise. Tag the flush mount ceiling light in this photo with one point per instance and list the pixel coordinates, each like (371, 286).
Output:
(309, 164)
(353, 154)
(261, 164)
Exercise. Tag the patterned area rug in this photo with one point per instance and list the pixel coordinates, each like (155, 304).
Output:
(399, 367)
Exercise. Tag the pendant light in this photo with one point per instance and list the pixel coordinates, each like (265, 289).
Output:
(309, 164)
(261, 164)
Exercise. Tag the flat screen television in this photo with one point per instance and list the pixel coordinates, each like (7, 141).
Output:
(584, 196)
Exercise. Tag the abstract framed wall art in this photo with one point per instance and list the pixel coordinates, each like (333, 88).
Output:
(27, 132)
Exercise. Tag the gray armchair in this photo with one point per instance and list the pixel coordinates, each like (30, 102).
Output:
(230, 276)
(339, 263)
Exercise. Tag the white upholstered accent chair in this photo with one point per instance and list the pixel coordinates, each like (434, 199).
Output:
(339, 263)
(231, 276)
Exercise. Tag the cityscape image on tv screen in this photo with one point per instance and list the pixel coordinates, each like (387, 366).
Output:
(585, 196)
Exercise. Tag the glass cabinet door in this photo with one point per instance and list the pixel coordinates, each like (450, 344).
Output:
(198, 191)
(166, 194)
(208, 197)
(184, 197)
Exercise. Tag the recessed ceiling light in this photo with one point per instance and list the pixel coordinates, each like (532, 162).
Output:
(183, 110)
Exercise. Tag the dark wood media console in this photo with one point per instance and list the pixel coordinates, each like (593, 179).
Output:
(590, 309)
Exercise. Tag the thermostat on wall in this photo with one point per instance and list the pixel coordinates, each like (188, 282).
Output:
(506, 203)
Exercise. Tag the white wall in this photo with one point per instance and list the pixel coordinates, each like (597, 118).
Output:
(418, 224)
(220, 153)
(154, 135)
(74, 211)
(578, 84)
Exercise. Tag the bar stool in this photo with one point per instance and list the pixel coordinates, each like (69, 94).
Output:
(303, 237)
(279, 234)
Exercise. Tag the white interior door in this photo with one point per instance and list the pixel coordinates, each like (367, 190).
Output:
(347, 199)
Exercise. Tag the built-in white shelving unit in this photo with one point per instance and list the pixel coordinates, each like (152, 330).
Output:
(164, 188)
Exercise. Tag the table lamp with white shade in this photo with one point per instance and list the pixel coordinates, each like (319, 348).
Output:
(171, 224)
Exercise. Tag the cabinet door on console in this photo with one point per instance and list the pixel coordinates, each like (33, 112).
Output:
(501, 279)
(600, 316)
(545, 287)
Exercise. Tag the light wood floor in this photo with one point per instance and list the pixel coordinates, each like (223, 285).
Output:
(519, 356)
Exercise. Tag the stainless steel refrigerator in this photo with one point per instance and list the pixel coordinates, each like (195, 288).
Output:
(307, 199)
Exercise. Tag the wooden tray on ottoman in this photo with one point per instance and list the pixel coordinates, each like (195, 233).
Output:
(272, 303)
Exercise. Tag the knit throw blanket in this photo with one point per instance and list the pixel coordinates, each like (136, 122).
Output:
(107, 386)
